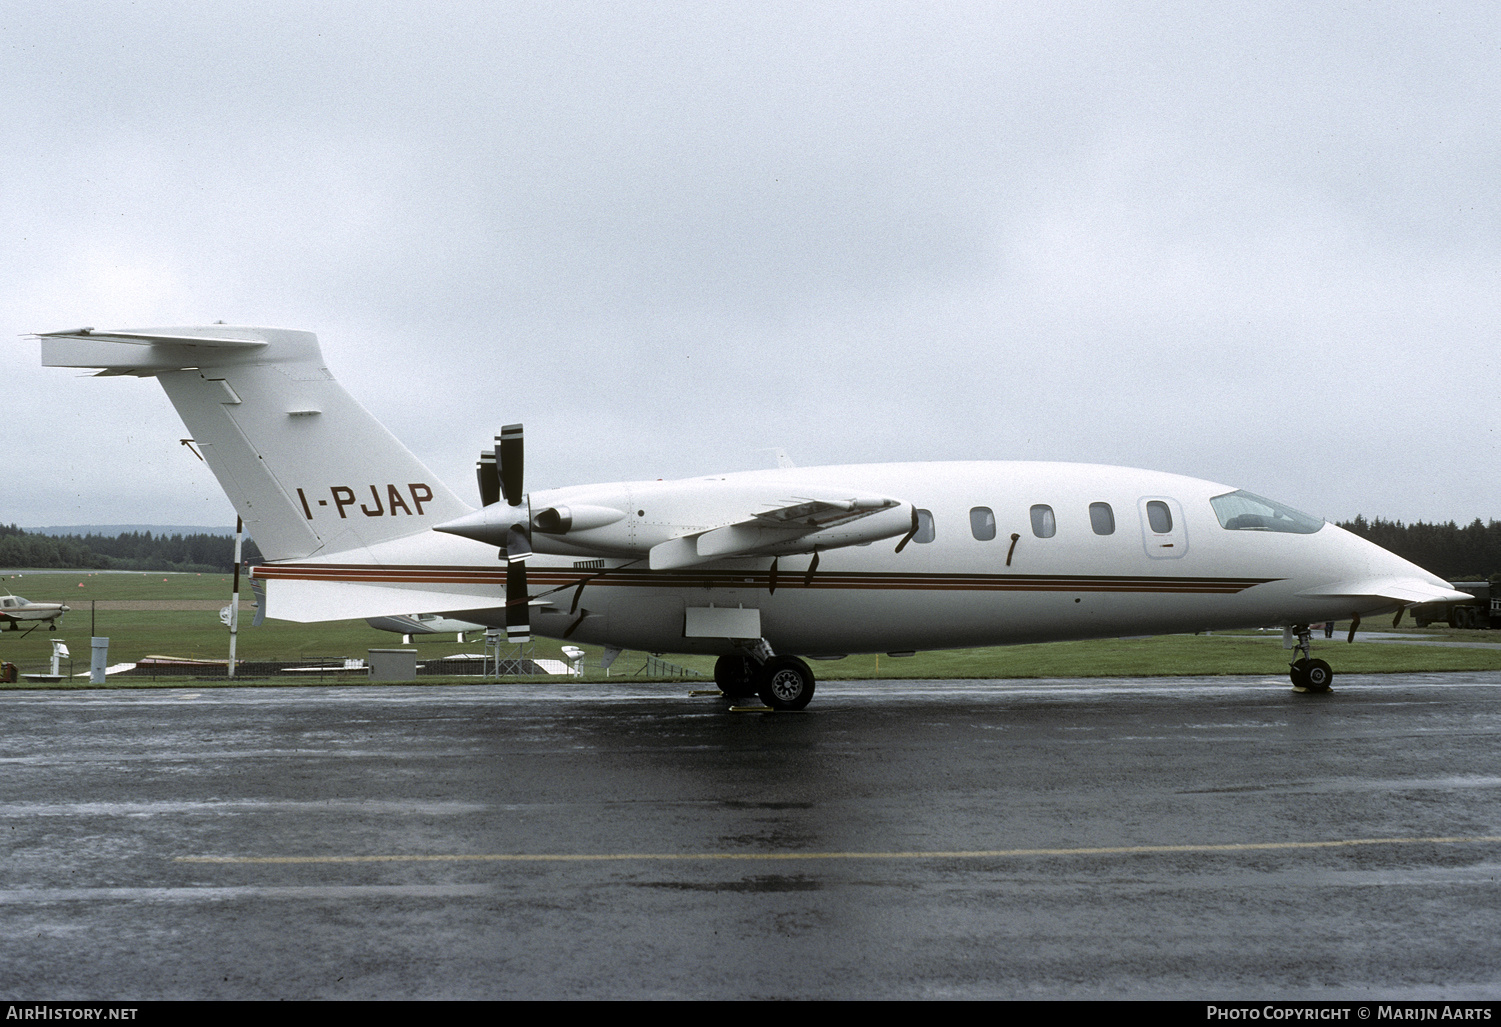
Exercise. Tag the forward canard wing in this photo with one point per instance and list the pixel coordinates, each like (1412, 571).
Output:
(1402, 590)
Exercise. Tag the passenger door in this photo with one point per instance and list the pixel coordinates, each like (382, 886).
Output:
(1163, 530)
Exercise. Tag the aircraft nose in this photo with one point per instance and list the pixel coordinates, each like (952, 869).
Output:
(1387, 562)
(1365, 572)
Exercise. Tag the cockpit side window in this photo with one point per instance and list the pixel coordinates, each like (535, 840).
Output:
(1244, 511)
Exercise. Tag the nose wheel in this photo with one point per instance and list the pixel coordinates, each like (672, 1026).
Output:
(1307, 674)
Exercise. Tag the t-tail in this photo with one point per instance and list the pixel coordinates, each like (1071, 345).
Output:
(312, 473)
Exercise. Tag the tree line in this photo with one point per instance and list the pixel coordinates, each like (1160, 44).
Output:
(128, 551)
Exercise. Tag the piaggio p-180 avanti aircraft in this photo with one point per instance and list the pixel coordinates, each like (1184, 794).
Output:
(763, 568)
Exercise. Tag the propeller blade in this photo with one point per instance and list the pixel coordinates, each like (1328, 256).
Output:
(812, 566)
(489, 479)
(1398, 618)
(518, 604)
(574, 626)
(911, 534)
(508, 463)
(772, 590)
(1354, 623)
(518, 546)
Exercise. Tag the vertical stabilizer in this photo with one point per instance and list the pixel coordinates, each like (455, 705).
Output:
(307, 467)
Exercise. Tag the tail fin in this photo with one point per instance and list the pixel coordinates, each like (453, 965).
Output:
(307, 467)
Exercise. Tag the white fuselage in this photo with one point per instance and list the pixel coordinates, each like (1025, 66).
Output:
(953, 591)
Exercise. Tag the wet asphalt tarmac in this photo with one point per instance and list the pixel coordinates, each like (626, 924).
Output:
(898, 839)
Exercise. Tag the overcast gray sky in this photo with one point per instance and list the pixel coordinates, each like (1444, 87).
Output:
(1253, 243)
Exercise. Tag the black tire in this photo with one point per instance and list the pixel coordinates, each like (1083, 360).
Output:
(1298, 672)
(1317, 676)
(785, 683)
(735, 676)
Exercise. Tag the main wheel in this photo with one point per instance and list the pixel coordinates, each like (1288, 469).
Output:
(1317, 676)
(785, 683)
(1298, 672)
(735, 676)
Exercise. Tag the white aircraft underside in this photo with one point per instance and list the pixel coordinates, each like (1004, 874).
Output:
(815, 561)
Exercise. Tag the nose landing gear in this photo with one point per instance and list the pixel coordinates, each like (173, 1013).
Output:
(1307, 674)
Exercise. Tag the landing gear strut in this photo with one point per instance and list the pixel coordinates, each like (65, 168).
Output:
(1308, 675)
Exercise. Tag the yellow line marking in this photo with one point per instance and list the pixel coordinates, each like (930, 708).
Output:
(1113, 850)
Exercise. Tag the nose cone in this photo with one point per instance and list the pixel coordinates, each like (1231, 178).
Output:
(1363, 572)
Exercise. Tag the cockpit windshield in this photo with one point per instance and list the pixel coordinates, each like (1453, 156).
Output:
(1243, 511)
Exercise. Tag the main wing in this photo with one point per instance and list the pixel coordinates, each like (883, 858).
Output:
(694, 521)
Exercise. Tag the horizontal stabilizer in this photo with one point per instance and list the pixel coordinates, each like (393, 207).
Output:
(1403, 590)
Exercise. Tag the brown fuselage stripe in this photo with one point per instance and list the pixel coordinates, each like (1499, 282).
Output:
(559, 577)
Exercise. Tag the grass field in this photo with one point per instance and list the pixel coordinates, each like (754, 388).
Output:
(142, 614)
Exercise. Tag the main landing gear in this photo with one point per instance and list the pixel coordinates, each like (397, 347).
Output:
(1308, 675)
(781, 682)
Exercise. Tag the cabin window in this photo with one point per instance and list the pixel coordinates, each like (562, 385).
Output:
(982, 523)
(925, 531)
(1044, 524)
(1159, 517)
(1102, 518)
(1242, 511)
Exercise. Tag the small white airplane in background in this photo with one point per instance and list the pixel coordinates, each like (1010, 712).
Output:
(762, 568)
(423, 624)
(14, 610)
